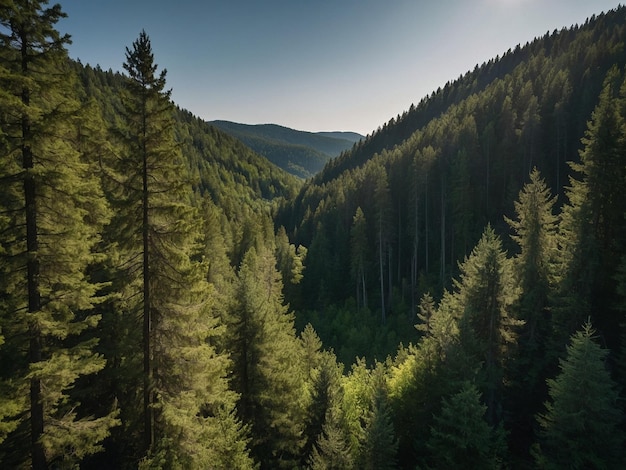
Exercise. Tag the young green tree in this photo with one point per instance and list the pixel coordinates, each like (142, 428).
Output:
(581, 424)
(187, 406)
(52, 211)
(378, 444)
(460, 437)
(327, 443)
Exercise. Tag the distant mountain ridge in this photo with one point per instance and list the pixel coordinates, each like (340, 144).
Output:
(301, 153)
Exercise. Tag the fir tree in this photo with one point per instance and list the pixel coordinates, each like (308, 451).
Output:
(327, 445)
(358, 252)
(52, 213)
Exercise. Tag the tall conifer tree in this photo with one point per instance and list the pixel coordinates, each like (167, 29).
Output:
(267, 362)
(535, 229)
(187, 407)
(486, 290)
(52, 212)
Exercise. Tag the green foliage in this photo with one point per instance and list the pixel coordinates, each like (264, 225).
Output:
(582, 418)
(186, 398)
(266, 361)
(460, 435)
(378, 443)
(486, 290)
(328, 444)
(53, 212)
(186, 275)
(535, 232)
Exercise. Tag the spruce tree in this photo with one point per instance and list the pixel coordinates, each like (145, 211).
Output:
(358, 256)
(52, 211)
(187, 407)
(581, 425)
(590, 233)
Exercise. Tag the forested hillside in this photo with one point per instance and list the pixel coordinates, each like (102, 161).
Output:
(300, 153)
(450, 293)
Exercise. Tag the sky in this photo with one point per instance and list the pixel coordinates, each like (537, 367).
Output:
(314, 65)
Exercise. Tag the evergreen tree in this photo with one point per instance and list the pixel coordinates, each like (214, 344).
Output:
(460, 436)
(486, 291)
(580, 427)
(382, 201)
(186, 400)
(535, 228)
(378, 444)
(592, 220)
(52, 211)
(267, 362)
(327, 445)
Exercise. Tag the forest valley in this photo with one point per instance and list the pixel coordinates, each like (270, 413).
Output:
(449, 293)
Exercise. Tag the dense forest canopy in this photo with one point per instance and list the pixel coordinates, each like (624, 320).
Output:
(436, 297)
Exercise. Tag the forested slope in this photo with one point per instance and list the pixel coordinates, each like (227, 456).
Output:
(507, 172)
(454, 163)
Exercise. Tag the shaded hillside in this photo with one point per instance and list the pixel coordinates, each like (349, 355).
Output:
(298, 152)
(351, 136)
(577, 49)
(430, 181)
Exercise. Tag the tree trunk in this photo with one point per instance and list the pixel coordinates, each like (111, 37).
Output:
(383, 315)
(442, 267)
(32, 273)
(147, 320)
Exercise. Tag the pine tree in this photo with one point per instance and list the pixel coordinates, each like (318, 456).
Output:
(382, 201)
(593, 220)
(187, 406)
(582, 418)
(52, 211)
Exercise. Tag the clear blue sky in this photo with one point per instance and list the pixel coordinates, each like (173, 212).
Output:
(312, 64)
